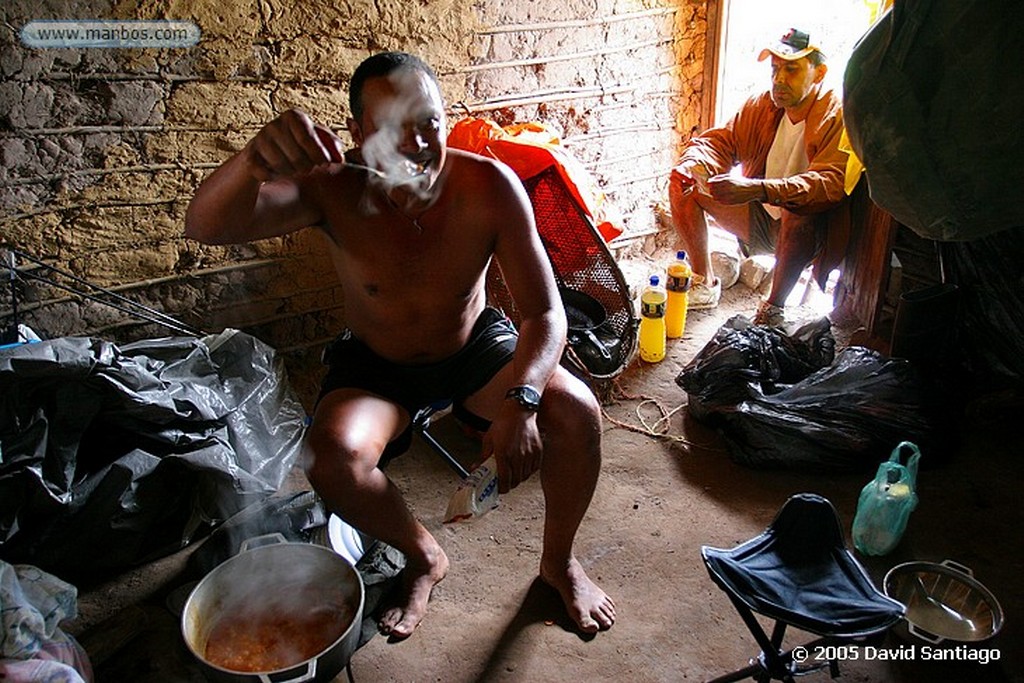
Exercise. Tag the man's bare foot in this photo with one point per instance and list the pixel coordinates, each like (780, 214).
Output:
(418, 581)
(588, 605)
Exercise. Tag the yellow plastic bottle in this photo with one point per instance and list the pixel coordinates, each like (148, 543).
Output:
(678, 286)
(652, 321)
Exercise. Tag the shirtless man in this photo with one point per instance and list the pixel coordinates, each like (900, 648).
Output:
(412, 246)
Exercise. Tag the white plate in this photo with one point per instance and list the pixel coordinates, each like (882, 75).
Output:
(346, 540)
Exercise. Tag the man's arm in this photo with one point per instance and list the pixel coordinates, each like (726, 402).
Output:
(737, 190)
(513, 436)
(714, 153)
(257, 193)
(819, 188)
(718, 149)
(527, 272)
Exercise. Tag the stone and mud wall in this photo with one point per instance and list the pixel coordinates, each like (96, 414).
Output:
(102, 148)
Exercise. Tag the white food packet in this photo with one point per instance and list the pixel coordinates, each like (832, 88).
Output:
(477, 494)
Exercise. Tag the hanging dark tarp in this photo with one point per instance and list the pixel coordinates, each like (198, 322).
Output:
(112, 456)
(933, 98)
(991, 281)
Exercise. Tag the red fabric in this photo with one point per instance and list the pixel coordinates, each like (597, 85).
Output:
(528, 149)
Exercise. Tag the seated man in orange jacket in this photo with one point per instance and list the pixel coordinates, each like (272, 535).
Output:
(790, 199)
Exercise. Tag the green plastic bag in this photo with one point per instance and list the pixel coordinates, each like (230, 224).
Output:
(886, 502)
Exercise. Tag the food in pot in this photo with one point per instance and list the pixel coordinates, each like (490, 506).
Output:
(253, 640)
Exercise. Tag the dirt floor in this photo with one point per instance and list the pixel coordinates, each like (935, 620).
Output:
(659, 499)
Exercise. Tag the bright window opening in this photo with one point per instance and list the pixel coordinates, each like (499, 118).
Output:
(751, 25)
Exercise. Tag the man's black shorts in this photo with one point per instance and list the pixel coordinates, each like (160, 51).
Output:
(413, 387)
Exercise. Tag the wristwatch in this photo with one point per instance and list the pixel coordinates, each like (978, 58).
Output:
(526, 396)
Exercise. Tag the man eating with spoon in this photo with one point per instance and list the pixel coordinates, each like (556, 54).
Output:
(412, 240)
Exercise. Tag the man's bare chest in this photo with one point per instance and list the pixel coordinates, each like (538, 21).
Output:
(389, 248)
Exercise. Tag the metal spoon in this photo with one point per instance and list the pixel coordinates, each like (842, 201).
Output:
(411, 170)
(955, 619)
(374, 171)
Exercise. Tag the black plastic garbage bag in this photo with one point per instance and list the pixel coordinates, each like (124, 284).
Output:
(113, 456)
(743, 360)
(296, 517)
(845, 416)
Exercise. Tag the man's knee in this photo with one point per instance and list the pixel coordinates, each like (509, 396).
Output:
(336, 455)
(800, 234)
(686, 211)
(679, 187)
(682, 194)
(570, 408)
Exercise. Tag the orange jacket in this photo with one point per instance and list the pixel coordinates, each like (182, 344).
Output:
(745, 140)
(747, 137)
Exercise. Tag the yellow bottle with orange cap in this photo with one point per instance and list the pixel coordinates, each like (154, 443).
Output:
(652, 321)
(678, 285)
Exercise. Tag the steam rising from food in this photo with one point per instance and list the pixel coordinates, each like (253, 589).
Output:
(273, 608)
(402, 173)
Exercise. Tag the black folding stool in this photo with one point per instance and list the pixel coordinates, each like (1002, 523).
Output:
(800, 573)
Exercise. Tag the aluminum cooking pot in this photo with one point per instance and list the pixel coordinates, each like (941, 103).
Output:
(294, 608)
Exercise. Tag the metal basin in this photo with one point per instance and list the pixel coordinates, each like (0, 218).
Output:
(944, 602)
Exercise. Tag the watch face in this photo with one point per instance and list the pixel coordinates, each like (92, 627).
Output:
(526, 396)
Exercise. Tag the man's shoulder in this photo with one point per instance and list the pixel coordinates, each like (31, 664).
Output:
(471, 168)
(830, 95)
(829, 101)
(468, 161)
(759, 111)
(758, 115)
(485, 187)
(827, 110)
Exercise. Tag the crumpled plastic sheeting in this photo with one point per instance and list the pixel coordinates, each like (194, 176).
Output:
(844, 416)
(32, 646)
(111, 456)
